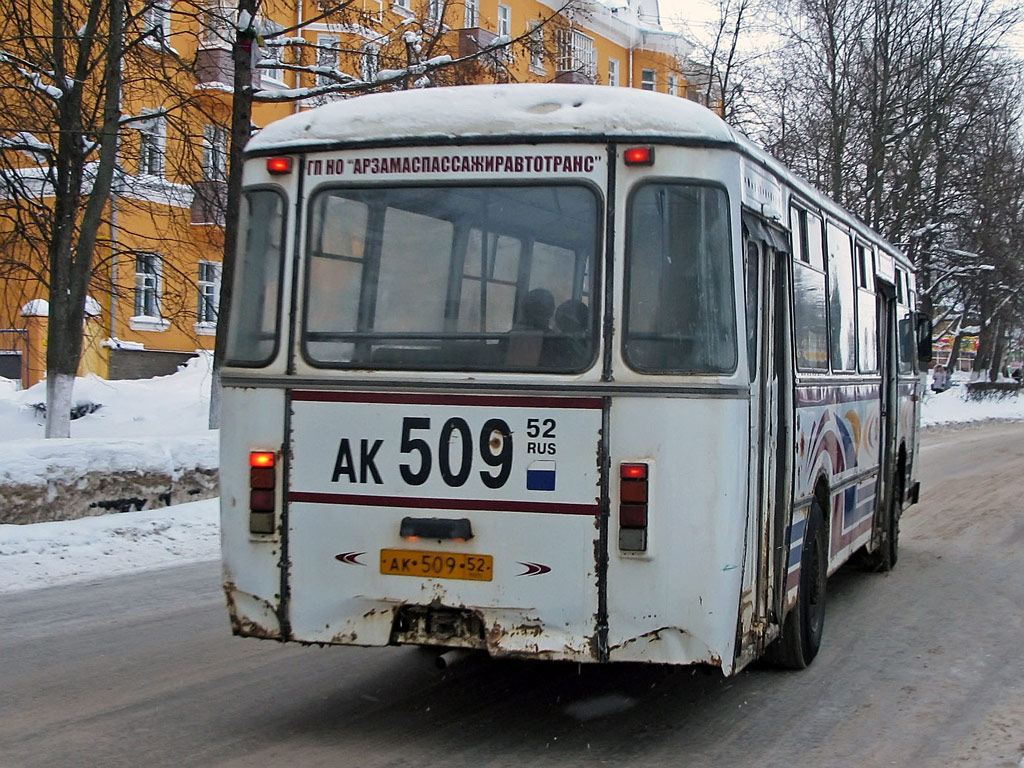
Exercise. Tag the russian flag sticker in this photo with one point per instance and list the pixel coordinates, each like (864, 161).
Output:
(540, 476)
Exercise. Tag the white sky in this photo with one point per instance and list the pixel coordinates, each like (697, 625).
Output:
(688, 16)
(693, 16)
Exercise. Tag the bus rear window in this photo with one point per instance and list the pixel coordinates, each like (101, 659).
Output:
(680, 312)
(255, 305)
(452, 278)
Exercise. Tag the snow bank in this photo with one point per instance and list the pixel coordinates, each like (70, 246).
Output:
(165, 405)
(68, 479)
(951, 407)
(144, 444)
(39, 461)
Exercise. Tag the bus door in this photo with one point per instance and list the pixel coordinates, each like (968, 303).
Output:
(888, 361)
(769, 354)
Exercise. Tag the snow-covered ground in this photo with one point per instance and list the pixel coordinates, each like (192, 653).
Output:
(950, 407)
(158, 407)
(57, 553)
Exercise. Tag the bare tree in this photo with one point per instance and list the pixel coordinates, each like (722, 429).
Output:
(906, 111)
(726, 56)
(74, 75)
(71, 79)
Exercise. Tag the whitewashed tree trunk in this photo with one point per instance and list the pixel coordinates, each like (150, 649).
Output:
(59, 389)
(214, 419)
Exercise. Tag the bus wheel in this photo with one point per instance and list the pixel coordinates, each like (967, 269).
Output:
(801, 634)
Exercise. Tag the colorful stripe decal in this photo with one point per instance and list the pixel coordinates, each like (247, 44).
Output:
(836, 394)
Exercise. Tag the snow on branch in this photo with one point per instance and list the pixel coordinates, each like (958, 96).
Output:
(26, 143)
(333, 82)
(146, 121)
(35, 79)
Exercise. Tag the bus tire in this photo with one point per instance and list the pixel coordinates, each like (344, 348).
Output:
(804, 625)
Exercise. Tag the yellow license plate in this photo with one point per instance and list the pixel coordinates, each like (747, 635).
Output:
(437, 565)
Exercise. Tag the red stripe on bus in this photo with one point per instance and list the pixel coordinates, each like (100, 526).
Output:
(589, 403)
(490, 505)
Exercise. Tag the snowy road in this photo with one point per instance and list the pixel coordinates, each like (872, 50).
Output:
(920, 667)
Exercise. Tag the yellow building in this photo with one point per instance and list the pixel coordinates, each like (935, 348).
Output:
(157, 266)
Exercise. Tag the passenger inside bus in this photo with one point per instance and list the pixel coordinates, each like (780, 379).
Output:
(536, 310)
(569, 349)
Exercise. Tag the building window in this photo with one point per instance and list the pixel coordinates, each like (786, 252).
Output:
(272, 53)
(536, 45)
(209, 292)
(435, 10)
(215, 153)
(369, 62)
(613, 72)
(148, 269)
(673, 85)
(158, 22)
(504, 21)
(326, 58)
(152, 144)
(472, 13)
(403, 4)
(576, 53)
(648, 80)
(218, 24)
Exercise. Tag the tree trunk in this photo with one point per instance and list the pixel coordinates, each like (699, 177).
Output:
(241, 127)
(71, 262)
(954, 353)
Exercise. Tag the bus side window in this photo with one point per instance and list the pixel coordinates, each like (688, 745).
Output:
(809, 322)
(867, 311)
(255, 313)
(842, 316)
(752, 279)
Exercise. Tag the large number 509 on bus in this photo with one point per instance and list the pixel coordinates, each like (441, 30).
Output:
(556, 372)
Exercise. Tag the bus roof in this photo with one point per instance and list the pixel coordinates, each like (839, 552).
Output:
(491, 111)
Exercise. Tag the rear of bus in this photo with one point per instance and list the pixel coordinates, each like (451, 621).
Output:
(487, 394)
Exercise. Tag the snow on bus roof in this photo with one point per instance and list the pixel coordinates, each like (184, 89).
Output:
(480, 111)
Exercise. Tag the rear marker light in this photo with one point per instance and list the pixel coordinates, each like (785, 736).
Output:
(279, 165)
(639, 156)
(262, 495)
(633, 498)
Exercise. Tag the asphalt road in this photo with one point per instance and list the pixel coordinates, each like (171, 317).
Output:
(920, 667)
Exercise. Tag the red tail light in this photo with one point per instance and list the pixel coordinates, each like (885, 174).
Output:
(262, 459)
(633, 500)
(262, 491)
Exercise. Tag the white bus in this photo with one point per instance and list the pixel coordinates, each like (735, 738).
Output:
(559, 372)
